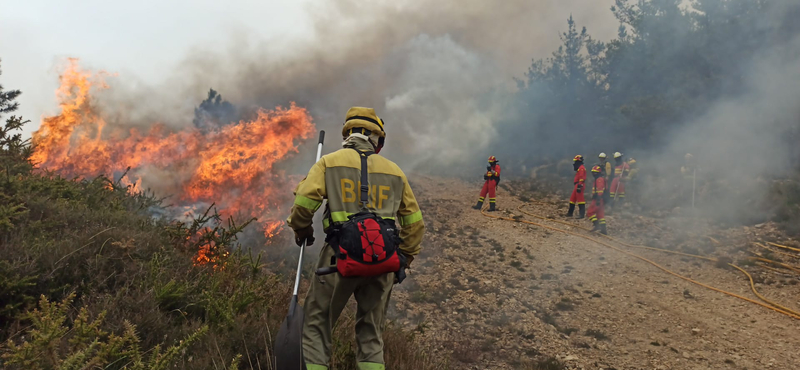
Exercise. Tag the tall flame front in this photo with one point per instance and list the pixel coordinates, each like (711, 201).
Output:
(233, 165)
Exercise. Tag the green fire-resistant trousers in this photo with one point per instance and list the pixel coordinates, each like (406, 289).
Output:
(324, 303)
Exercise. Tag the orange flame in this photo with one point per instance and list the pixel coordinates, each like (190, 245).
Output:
(232, 166)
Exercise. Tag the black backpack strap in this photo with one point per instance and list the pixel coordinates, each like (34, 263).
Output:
(364, 178)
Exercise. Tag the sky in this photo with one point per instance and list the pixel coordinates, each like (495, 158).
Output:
(144, 40)
(181, 48)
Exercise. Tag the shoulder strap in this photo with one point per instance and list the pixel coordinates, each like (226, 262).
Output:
(364, 177)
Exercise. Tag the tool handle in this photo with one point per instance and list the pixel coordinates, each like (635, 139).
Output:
(319, 146)
(303, 247)
(326, 270)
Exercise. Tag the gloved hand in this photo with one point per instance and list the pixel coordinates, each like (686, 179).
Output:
(409, 258)
(488, 168)
(304, 235)
(405, 262)
(594, 196)
(580, 188)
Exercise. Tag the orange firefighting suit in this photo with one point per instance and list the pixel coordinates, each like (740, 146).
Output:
(577, 189)
(490, 185)
(596, 211)
(621, 173)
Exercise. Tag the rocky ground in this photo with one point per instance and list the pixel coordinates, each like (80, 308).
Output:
(494, 294)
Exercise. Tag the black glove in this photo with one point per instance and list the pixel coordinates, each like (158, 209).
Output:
(498, 181)
(488, 168)
(580, 188)
(304, 235)
(405, 262)
(408, 259)
(594, 196)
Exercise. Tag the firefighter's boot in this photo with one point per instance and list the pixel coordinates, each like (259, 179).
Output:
(596, 227)
(478, 206)
(491, 207)
(571, 210)
(603, 229)
(582, 211)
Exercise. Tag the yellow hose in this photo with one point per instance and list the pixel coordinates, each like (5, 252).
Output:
(778, 252)
(787, 311)
(774, 306)
(783, 246)
(616, 240)
(773, 269)
(795, 269)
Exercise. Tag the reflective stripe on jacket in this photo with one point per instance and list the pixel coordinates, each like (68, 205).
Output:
(580, 175)
(619, 168)
(336, 177)
(599, 186)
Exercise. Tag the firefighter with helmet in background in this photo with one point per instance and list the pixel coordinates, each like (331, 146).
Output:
(621, 173)
(491, 180)
(577, 187)
(605, 165)
(337, 179)
(608, 173)
(597, 207)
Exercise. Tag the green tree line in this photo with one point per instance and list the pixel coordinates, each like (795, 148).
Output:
(668, 63)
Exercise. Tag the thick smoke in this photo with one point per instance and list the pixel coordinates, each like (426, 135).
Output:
(440, 73)
(747, 140)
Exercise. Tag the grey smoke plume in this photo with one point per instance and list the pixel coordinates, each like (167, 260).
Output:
(440, 73)
(746, 141)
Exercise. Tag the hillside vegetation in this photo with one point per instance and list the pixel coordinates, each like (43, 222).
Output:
(91, 279)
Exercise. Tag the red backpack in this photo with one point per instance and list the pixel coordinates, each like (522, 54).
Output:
(366, 245)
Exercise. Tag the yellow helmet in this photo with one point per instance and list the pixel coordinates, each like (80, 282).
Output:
(367, 120)
(602, 155)
(617, 155)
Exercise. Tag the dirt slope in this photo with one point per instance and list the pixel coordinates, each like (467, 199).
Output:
(493, 294)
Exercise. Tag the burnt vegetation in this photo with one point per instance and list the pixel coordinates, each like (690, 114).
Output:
(91, 278)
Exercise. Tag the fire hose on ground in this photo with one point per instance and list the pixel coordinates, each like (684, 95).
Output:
(766, 302)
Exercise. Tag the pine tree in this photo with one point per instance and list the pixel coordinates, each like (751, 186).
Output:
(7, 99)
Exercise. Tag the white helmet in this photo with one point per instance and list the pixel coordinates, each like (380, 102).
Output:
(617, 155)
(602, 155)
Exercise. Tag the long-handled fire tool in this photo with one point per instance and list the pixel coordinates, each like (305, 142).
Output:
(289, 343)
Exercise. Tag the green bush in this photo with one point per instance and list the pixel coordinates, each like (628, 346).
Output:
(129, 293)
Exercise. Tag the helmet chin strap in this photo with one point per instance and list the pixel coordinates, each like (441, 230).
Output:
(370, 139)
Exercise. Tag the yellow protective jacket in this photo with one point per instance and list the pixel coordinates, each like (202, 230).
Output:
(336, 177)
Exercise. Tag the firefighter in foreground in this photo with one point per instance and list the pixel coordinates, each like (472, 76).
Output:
(597, 207)
(577, 188)
(491, 180)
(337, 178)
(621, 173)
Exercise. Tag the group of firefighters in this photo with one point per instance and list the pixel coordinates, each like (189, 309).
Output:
(386, 196)
(602, 192)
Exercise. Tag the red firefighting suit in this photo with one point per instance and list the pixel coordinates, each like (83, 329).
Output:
(490, 185)
(621, 173)
(596, 211)
(579, 182)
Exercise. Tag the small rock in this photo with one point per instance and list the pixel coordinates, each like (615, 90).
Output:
(695, 331)
(686, 355)
(571, 358)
